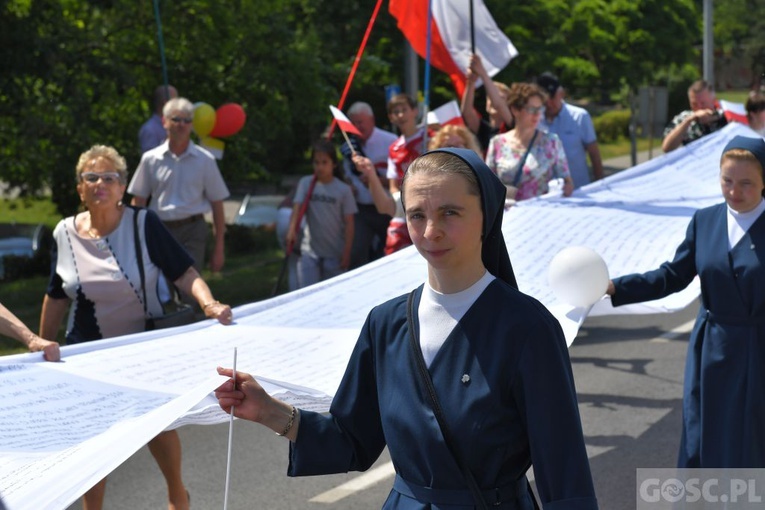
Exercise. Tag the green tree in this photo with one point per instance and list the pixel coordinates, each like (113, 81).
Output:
(79, 72)
(598, 47)
(738, 33)
(626, 42)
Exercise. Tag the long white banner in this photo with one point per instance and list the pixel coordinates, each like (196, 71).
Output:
(64, 426)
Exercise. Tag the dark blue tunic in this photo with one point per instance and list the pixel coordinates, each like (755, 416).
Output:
(724, 394)
(518, 407)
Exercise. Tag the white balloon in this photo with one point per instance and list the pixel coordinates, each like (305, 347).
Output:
(578, 276)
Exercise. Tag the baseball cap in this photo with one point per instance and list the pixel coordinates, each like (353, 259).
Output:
(548, 82)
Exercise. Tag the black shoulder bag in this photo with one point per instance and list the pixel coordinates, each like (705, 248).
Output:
(519, 173)
(445, 431)
(475, 489)
(181, 315)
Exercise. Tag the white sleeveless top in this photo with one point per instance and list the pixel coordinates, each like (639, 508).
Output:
(101, 277)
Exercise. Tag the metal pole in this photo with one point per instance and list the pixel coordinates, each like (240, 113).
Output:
(651, 109)
(161, 41)
(411, 72)
(633, 128)
(426, 92)
(472, 29)
(709, 47)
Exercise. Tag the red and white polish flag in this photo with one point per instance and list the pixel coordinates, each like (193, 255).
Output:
(734, 112)
(446, 114)
(344, 122)
(450, 35)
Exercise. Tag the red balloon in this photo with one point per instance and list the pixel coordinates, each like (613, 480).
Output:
(229, 119)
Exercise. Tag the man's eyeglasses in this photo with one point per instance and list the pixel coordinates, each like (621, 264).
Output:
(106, 177)
(179, 120)
(534, 109)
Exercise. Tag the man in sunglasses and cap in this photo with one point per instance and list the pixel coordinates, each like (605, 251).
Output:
(573, 125)
(184, 182)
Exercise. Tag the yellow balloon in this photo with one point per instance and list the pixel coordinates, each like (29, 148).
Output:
(204, 119)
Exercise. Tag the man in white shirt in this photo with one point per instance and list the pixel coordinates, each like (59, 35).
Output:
(184, 182)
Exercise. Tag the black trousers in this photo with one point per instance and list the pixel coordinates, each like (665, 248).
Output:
(368, 235)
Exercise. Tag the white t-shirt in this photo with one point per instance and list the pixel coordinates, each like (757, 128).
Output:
(439, 314)
(739, 223)
(376, 149)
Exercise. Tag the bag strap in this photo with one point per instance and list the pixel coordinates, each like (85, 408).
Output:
(301, 211)
(519, 173)
(445, 431)
(139, 258)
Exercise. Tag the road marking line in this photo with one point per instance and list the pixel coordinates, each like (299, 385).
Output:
(359, 483)
(673, 334)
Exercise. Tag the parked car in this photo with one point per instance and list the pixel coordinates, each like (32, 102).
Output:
(24, 249)
(258, 211)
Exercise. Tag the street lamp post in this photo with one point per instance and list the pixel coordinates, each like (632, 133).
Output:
(709, 47)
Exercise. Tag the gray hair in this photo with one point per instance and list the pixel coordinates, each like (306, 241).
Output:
(177, 104)
(361, 107)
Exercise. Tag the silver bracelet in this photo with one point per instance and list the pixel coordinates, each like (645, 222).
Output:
(290, 423)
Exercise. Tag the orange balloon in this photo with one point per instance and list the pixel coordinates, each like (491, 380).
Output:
(229, 119)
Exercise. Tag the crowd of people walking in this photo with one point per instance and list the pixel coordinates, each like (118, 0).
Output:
(465, 441)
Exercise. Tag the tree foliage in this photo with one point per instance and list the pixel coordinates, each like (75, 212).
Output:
(80, 72)
(739, 33)
(599, 46)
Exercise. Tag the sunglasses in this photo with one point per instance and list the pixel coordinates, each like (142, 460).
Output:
(534, 109)
(184, 120)
(106, 177)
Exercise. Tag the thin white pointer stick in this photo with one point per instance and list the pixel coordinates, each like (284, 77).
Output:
(230, 442)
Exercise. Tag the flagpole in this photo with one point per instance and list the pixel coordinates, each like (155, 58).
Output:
(347, 140)
(472, 29)
(230, 442)
(161, 42)
(355, 65)
(426, 105)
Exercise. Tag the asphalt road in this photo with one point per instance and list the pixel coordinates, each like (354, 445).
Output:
(628, 372)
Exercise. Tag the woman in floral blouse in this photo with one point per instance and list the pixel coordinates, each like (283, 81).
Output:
(540, 154)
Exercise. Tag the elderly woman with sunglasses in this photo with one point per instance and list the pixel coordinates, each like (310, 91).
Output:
(526, 158)
(95, 269)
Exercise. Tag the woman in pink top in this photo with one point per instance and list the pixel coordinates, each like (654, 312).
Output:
(525, 158)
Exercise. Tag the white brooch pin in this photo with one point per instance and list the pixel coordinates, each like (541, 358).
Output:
(465, 379)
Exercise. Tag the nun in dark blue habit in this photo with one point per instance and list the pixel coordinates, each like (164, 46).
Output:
(724, 393)
(494, 358)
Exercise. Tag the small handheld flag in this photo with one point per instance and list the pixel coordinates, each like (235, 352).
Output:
(345, 125)
(446, 114)
(344, 122)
